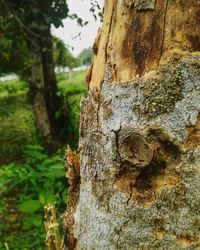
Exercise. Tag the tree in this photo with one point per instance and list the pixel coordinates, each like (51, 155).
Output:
(32, 20)
(140, 132)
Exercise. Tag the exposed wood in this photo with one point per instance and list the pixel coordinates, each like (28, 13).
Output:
(134, 40)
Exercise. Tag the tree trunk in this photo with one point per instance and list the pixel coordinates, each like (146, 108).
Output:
(43, 89)
(140, 131)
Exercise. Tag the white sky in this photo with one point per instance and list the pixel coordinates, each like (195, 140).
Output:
(71, 28)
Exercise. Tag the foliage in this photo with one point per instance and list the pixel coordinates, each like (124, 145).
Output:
(32, 20)
(22, 21)
(72, 88)
(36, 182)
(72, 84)
(62, 55)
(31, 16)
(12, 87)
(85, 56)
(14, 56)
(17, 126)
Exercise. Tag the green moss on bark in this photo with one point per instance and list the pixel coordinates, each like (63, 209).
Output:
(162, 94)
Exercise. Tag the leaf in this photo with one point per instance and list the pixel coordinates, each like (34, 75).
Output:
(51, 198)
(55, 171)
(32, 220)
(42, 198)
(47, 197)
(29, 206)
(38, 220)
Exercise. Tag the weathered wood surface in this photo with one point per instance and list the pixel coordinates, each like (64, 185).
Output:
(137, 36)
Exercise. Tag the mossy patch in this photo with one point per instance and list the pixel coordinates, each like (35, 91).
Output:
(144, 4)
(163, 92)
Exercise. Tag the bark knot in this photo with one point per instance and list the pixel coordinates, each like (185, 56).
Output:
(134, 149)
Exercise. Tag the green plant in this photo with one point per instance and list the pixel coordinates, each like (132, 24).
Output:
(17, 127)
(13, 86)
(36, 179)
(25, 189)
(71, 90)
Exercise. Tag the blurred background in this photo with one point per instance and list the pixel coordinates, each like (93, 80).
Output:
(45, 52)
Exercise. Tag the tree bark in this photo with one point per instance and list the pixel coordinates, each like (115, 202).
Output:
(43, 89)
(140, 130)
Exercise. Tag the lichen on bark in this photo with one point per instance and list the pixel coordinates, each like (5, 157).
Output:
(144, 4)
(164, 89)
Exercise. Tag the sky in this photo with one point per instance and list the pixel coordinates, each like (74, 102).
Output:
(71, 29)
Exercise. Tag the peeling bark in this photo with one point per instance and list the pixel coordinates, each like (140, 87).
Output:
(140, 133)
(72, 166)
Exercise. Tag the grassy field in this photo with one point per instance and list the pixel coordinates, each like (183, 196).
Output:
(29, 178)
(17, 124)
(17, 127)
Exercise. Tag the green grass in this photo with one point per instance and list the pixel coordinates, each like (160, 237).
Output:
(17, 124)
(72, 83)
(72, 87)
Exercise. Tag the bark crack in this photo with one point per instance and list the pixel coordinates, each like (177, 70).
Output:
(164, 25)
(97, 115)
(129, 198)
(109, 30)
(96, 95)
(108, 35)
(117, 141)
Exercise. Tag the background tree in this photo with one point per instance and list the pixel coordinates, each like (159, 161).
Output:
(85, 56)
(32, 20)
(62, 55)
(140, 130)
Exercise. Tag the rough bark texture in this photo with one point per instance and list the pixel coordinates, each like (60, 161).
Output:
(140, 130)
(72, 166)
(140, 178)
